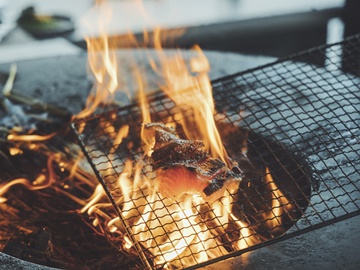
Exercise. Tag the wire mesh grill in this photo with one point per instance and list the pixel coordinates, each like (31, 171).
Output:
(297, 118)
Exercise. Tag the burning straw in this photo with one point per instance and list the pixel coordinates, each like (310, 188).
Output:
(44, 184)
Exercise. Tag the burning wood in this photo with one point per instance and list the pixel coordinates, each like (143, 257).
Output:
(184, 167)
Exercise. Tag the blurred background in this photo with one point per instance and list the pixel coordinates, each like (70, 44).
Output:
(260, 27)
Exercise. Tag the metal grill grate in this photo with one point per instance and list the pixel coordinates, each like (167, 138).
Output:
(299, 117)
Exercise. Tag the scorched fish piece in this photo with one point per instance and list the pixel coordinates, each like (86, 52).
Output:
(184, 167)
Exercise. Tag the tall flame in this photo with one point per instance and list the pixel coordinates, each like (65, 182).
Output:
(189, 87)
(102, 61)
(191, 90)
(280, 205)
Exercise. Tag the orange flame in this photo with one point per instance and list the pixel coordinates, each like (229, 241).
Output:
(191, 90)
(102, 61)
(280, 205)
(41, 182)
(29, 138)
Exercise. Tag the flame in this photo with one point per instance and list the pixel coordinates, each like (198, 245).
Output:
(182, 233)
(280, 205)
(191, 90)
(29, 138)
(42, 181)
(178, 234)
(102, 61)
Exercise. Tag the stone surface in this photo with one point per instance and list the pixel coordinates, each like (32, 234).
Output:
(63, 80)
(331, 247)
(7, 262)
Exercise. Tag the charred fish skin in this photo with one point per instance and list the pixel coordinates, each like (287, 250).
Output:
(218, 183)
(177, 152)
(214, 186)
(172, 155)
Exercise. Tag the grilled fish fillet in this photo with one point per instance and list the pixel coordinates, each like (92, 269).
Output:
(184, 167)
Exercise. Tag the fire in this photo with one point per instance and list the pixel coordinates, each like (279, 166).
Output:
(42, 181)
(280, 205)
(189, 88)
(178, 234)
(102, 61)
(192, 92)
(29, 138)
(171, 233)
